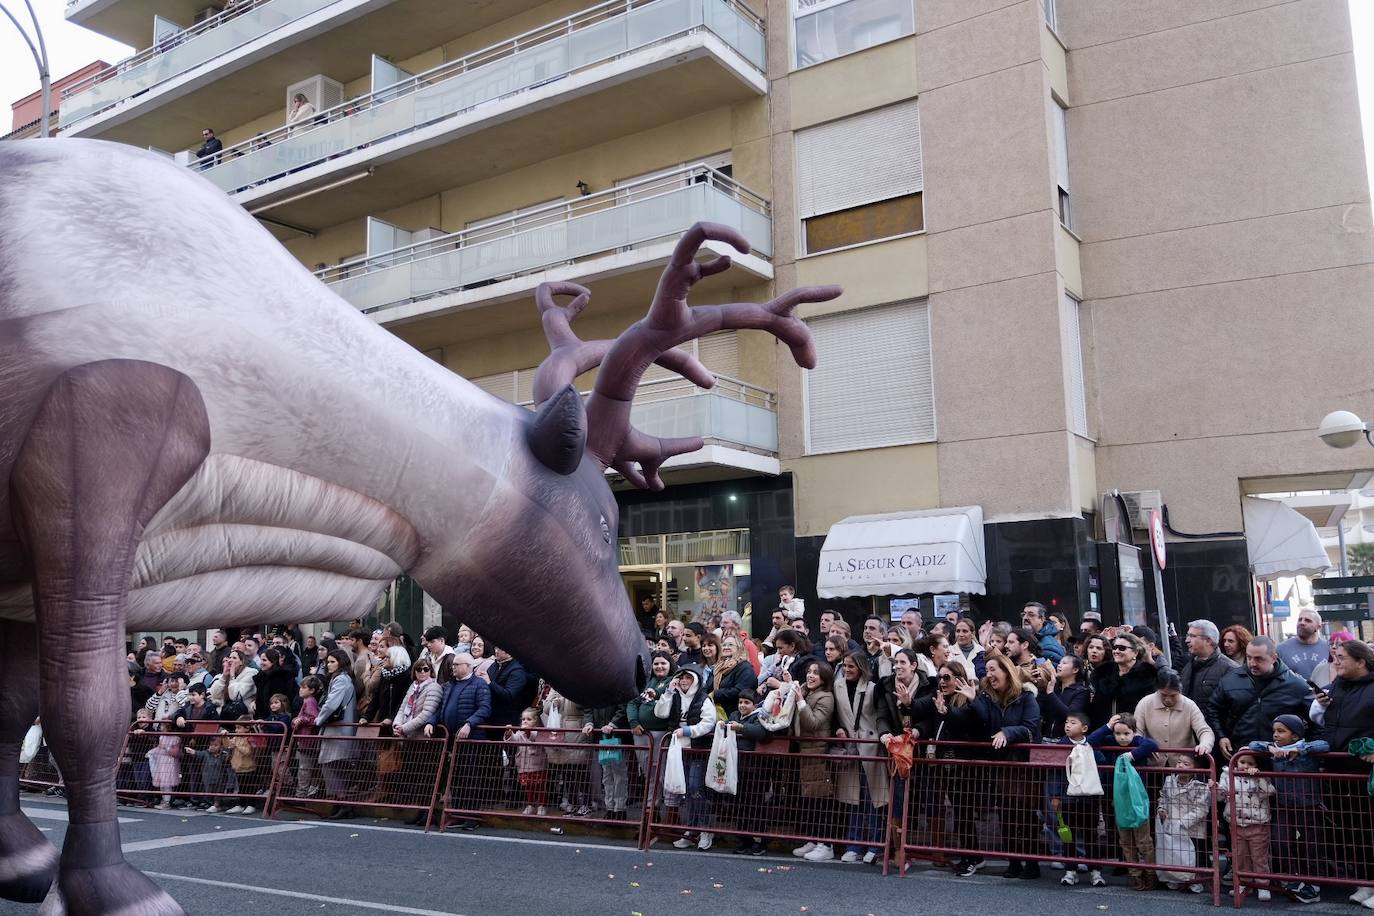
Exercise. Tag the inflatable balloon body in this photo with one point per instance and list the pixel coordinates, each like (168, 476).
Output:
(194, 431)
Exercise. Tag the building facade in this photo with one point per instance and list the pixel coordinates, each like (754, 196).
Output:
(1077, 240)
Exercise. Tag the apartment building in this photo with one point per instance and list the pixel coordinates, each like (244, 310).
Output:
(1077, 239)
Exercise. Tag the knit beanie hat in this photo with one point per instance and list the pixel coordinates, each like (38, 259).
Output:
(1293, 723)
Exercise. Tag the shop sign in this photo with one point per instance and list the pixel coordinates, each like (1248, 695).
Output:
(887, 564)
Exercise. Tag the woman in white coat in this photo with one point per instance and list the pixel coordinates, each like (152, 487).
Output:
(235, 686)
(861, 787)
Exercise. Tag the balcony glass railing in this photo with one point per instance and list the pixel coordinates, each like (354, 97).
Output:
(732, 413)
(546, 54)
(239, 24)
(650, 209)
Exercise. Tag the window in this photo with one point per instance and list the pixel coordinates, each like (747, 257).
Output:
(1073, 344)
(826, 29)
(859, 179)
(1061, 160)
(1051, 16)
(872, 384)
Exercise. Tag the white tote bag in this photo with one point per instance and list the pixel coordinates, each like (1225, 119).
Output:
(1081, 770)
(722, 765)
(1173, 846)
(32, 739)
(674, 779)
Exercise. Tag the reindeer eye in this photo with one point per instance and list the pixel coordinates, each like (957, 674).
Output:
(605, 530)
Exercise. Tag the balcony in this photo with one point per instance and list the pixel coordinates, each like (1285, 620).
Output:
(130, 21)
(623, 230)
(614, 69)
(737, 420)
(180, 53)
(225, 70)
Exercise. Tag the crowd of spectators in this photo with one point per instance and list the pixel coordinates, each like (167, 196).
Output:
(214, 721)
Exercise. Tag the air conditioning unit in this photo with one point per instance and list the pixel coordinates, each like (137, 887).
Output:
(1139, 504)
(207, 13)
(319, 90)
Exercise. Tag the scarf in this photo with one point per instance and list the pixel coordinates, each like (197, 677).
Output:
(724, 667)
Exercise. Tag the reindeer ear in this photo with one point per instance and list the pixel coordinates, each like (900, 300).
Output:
(558, 432)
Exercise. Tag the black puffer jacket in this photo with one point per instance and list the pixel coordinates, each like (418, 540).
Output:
(1244, 707)
(1200, 678)
(1351, 712)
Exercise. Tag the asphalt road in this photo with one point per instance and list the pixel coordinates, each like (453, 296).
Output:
(247, 865)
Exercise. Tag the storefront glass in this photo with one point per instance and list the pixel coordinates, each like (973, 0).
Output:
(694, 575)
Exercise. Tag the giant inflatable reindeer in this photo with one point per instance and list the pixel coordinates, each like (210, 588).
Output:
(194, 431)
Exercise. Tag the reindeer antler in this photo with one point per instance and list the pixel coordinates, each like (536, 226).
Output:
(570, 356)
(671, 321)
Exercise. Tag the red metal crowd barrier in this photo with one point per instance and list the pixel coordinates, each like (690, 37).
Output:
(1294, 833)
(961, 805)
(371, 769)
(546, 775)
(205, 761)
(808, 792)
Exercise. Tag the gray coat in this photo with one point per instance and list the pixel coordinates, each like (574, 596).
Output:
(341, 696)
(870, 723)
(426, 697)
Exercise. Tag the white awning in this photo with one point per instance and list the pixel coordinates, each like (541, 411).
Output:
(1280, 541)
(904, 553)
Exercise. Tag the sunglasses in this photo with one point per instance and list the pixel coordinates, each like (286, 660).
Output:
(418, 670)
(1122, 648)
(946, 677)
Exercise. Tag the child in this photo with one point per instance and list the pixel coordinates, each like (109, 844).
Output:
(1137, 846)
(138, 777)
(1299, 819)
(243, 757)
(752, 785)
(1184, 809)
(164, 762)
(531, 764)
(307, 753)
(1080, 797)
(217, 776)
(1247, 805)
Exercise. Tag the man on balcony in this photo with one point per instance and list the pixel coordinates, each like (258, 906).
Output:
(208, 154)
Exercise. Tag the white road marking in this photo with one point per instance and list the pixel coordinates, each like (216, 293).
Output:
(297, 895)
(482, 837)
(172, 841)
(57, 814)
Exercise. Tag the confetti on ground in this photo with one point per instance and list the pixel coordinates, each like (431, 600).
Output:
(717, 886)
(784, 868)
(634, 884)
(353, 836)
(686, 892)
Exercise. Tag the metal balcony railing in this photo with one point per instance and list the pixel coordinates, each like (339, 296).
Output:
(610, 221)
(240, 23)
(551, 52)
(733, 413)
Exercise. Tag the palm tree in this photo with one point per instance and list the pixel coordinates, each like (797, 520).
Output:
(1360, 558)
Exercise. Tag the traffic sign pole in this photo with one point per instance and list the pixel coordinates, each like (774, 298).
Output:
(1157, 551)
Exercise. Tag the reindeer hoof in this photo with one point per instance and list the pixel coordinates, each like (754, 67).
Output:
(28, 862)
(109, 890)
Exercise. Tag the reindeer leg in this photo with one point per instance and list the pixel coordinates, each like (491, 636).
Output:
(28, 862)
(111, 443)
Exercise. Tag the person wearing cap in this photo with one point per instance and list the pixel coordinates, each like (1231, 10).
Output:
(1090, 624)
(1298, 815)
(437, 652)
(1206, 664)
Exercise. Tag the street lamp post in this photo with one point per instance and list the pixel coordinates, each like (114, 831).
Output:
(40, 59)
(1342, 429)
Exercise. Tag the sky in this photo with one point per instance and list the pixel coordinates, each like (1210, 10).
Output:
(71, 47)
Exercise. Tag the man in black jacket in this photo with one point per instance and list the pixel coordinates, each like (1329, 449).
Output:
(208, 154)
(1206, 664)
(511, 688)
(1249, 699)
